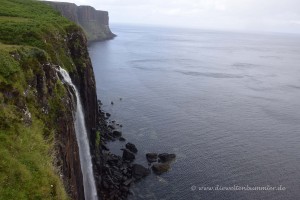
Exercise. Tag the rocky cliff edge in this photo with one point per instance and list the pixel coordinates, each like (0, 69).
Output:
(95, 23)
(38, 146)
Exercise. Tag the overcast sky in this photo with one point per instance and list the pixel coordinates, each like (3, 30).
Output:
(253, 15)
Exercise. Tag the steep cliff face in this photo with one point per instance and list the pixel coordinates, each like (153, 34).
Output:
(38, 146)
(83, 77)
(95, 23)
(84, 80)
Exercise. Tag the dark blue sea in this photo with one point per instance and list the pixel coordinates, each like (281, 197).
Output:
(227, 104)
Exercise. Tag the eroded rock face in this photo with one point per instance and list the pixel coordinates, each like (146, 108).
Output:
(94, 22)
(83, 77)
(67, 158)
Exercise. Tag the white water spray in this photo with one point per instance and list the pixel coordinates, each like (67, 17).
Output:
(90, 191)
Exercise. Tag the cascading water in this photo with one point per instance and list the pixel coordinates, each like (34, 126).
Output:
(90, 191)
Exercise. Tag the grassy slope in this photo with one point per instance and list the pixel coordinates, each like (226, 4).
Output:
(34, 34)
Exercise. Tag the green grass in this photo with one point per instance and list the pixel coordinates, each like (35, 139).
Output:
(26, 149)
(31, 34)
(98, 135)
(26, 169)
(33, 23)
(8, 66)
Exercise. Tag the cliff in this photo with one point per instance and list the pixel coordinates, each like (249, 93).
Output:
(38, 147)
(95, 23)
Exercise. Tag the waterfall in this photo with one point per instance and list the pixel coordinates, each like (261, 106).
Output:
(90, 191)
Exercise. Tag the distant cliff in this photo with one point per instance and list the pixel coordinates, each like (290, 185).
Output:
(95, 23)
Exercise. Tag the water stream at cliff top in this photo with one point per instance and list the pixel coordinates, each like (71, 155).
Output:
(90, 191)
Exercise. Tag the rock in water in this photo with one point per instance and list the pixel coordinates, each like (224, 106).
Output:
(151, 157)
(117, 134)
(166, 157)
(139, 171)
(128, 155)
(111, 127)
(131, 147)
(159, 168)
(104, 147)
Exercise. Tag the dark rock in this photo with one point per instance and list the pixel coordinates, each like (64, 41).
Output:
(112, 183)
(113, 160)
(139, 171)
(107, 114)
(106, 168)
(105, 184)
(131, 192)
(166, 157)
(128, 181)
(131, 147)
(111, 127)
(124, 178)
(112, 103)
(125, 171)
(122, 139)
(151, 157)
(117, 133)
(109, 137)
(124, 189)
(128, 155)
(118, 175)
(160, 168)
(104, 147)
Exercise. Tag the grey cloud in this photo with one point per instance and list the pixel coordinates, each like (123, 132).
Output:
(256, 15)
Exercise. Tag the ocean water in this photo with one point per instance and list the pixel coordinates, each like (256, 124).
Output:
(228, 105)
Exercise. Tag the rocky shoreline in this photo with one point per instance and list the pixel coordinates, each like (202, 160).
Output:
(114, 174)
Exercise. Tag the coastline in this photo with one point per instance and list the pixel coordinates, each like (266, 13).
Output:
(113, 174)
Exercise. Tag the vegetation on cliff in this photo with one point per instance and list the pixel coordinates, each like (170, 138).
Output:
(34, 105)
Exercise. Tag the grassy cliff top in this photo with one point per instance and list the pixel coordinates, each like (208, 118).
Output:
(36, 24)
(27, 22)
(31, 34)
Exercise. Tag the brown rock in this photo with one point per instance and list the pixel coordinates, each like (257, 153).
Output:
(160, 168)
